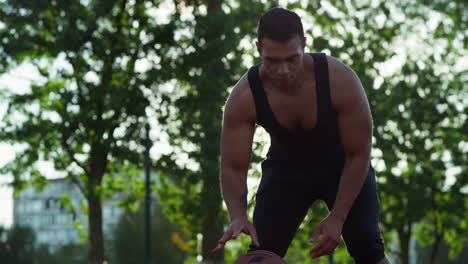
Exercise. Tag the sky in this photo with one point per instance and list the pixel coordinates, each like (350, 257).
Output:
(18, 80)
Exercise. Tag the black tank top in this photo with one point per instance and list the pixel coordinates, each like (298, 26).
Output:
(316, 147)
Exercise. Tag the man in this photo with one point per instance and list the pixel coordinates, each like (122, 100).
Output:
(317, 114)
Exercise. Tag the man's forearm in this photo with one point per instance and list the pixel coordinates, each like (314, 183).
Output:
(234, 189)
(351, 182)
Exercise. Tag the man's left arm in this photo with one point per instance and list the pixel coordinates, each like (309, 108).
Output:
(355, 124)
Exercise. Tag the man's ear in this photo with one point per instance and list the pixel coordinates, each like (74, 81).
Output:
(259, 47)
(304, 42)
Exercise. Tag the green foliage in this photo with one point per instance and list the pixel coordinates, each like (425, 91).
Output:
(73, 254)
(169, 243)
(87, 114)
(208, 62)
(127, 182)
(419, 114)
(18, 245)
(87, 111)
(443, 256)
(423, 140)
(362, 36)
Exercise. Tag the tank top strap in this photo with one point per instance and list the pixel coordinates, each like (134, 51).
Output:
(324, 105)
(259, 96)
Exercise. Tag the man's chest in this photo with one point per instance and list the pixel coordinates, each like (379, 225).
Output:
(298, 110)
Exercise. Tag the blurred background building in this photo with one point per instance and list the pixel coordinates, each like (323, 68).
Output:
(53, 224)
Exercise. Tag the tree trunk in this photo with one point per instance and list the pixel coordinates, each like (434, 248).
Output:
(212, 232)
(214, 4)
(404, 236)
(435, 248)
(213, 221)
(95, 234)
(98, 165)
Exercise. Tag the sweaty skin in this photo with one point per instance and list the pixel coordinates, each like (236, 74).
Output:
(289, 84)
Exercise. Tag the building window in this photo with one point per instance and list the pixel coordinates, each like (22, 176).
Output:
(42, 237)
(61, 236)
(37, 205)
(35, 222)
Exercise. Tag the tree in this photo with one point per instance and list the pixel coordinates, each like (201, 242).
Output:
(445, 221)
(425, 137)
(363, 36)
(443, 257)
(17, 245)
(204, 65)
(87, 111)
(169, 244)
(406, 106)
(71, 253)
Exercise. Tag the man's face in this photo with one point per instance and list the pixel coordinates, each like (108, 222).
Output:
(282, 61)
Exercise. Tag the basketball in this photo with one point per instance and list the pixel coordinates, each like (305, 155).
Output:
(260, 257)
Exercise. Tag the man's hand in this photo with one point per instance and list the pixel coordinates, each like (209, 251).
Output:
(330, 230)
(238, 225)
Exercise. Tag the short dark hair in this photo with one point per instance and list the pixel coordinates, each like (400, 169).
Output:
(280, 25)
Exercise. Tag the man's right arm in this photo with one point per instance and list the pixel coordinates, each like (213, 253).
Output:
(236, 147)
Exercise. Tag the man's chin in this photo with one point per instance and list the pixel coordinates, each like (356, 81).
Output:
(285, 81)
(284, 78)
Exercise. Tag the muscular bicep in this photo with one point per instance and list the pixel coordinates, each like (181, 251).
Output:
(354, 116)
(236, 141)
(238, 129)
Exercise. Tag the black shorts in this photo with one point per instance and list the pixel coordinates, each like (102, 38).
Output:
(287, 191)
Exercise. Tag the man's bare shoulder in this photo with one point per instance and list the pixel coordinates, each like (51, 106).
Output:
(344, 82)
(240, 104)
(338, 71)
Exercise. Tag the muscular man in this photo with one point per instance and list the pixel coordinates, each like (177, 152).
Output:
(317, 115)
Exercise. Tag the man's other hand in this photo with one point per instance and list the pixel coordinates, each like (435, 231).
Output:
(238, 225)
(330, 231)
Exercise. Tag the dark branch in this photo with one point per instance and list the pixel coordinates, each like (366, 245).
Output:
(72, 156)
(77, 78)
(75, 180)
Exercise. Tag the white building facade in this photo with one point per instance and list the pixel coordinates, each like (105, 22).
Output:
(53, 224)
